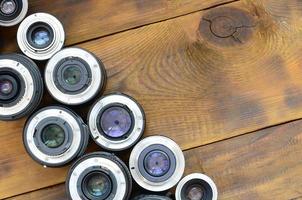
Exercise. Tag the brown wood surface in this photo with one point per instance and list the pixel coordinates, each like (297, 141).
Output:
(263, 165)
(201, 78)
(87, 19)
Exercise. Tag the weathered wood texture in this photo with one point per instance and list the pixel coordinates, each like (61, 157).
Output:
(87, 19)
(264, 165)
(201, 78)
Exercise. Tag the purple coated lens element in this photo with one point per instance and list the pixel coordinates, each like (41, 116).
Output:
(157, 163)
(6, 87)
(116, 121)
(195, 193)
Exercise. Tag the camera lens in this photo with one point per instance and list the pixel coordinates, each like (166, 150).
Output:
(116, 122)
(40, 36)
(21, 86)
(12, 11)
(157, 163)
(151, 197)
(74, 76)
(55, 135)
(99, 176)
(196, 187)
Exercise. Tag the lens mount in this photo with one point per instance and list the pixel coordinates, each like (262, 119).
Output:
(208, 189)
(105, 165)
(40, 36)
(12, 11)
(170, 168)
(151, 197)
(121, 116)
(74, 76)
(26, 85)
(54, 136)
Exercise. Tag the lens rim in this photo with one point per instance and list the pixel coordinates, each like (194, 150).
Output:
(195, 178)
(96, 82)
(31, 30)
(30, 90)
(99, 117)
(49, 51)
(103, 161)
(136, 161)
(62, 66)
(62, 123)
(117, 144)
(17, 16)
(77, 143)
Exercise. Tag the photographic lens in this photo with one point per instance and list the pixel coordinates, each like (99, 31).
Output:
(21, 86)
(12, 11)
(151, 197)
(99, 176)
(196, 187)
(8, 7)
(156, 163)
(40, 36)
(55, 135)
(116, 122)
(74, 76)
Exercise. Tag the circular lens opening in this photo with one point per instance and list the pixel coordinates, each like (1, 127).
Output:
(8, 7)
(157, 163)
(116, 121)
(6, 87)
(72, 75)
(53, 136)
(98, 185)
(40, 36)
(195, 192)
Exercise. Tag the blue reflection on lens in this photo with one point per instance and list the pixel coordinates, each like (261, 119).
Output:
(41, 37)
(157, 163)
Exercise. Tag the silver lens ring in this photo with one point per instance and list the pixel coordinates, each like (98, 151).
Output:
(49, 26)
(137, 122)
(185, 182)
(13, 17)
(93, 66)
(76, 136)
(30, 86)
(99, 162)
(137, 169)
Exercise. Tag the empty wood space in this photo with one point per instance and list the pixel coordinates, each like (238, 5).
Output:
(221, 78)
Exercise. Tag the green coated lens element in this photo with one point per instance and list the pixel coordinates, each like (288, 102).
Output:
(98, 185)
(72, 75)
(53, 136)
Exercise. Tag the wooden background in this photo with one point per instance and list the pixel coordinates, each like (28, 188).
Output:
(222, 78)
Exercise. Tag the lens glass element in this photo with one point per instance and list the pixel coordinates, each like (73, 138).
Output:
(157, 163)
(41, 36)
(195, 192)
(6, 87)
(98, 185)
(53, 136)
(116, 121)
(8, 7)
(72, 75)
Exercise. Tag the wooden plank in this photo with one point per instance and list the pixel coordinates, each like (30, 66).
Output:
(263, 165)
(87, 19)
(197, 84)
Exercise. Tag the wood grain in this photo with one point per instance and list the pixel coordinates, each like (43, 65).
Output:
(87, 19)
(263, 165)
(201, 78)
